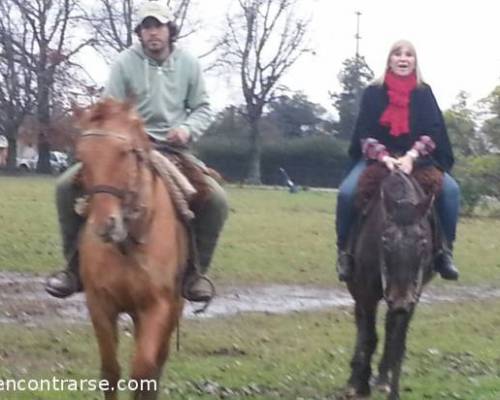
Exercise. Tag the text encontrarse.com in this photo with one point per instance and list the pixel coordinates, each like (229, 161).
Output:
(74, 385)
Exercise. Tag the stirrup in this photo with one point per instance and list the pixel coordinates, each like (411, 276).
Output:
(62, 284)
(207, 299)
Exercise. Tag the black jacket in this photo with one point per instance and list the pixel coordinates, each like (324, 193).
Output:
(425, 119)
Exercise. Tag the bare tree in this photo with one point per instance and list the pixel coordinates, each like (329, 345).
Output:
(264, 40)
(17, 89)
(52, 31)
(112, 22)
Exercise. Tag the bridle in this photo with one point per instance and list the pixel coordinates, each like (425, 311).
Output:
(129, 195)
(382, 260)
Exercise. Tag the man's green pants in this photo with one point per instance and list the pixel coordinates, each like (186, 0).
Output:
(208, 222)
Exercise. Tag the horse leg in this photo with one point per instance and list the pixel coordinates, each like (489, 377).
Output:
(153, 330)
(382, 381)
(394, 350)
(366, 342)
(105, 328)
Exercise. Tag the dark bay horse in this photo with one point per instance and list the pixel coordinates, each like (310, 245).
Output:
(393, 260)
(133, 248)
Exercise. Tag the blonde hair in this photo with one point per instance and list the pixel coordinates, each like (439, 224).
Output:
(395, 47)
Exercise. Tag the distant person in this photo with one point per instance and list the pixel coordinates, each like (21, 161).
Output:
(168, 88)
(399, 122)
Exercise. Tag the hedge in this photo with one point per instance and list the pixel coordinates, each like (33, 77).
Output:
(317, 161)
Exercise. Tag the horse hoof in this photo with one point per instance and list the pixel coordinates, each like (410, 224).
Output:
(383, 388)
(352, 394)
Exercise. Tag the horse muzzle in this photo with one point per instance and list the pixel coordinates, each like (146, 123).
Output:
(404, 303)
(111, 230)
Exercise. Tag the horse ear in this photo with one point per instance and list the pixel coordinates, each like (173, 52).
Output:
(130, 102)
(425, 205)
(76, 110)
(388, 202)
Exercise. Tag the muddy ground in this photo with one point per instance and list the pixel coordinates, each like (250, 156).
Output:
(23, 300)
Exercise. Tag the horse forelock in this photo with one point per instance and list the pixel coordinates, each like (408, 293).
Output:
(403, 198)
(400, 187)
(110, 115)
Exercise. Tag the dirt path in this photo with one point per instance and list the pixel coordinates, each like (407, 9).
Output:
(23, 300)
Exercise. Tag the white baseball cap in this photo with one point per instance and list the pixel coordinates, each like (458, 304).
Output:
(156, 9)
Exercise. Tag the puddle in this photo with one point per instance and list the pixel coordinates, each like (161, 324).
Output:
(23, 300)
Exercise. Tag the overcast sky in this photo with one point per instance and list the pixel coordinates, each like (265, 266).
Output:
(457, 42)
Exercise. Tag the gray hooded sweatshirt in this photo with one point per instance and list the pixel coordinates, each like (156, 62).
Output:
(167, 94)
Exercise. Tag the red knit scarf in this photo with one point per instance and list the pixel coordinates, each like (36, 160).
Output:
(397, 114)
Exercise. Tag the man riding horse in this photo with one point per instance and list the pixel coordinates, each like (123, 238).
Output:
(168, 89)
(399, 125)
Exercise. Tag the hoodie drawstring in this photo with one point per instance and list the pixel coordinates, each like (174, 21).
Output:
(146, 74)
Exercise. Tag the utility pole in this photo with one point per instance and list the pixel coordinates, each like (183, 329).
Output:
(357, 36)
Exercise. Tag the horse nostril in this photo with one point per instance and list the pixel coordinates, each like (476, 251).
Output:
(111, 223)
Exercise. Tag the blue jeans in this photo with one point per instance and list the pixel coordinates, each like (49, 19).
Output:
(447, 205)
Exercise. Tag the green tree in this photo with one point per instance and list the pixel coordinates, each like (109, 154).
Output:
(296, 116)
(461, 123)
(491, 126)
(354, 77)
(230, 124)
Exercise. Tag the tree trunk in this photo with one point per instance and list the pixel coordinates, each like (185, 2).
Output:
(254, 176)
(12, 153)
(44, 85)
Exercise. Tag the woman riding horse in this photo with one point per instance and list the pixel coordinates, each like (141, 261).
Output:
(400, 124)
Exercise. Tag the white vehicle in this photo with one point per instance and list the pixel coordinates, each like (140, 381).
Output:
(58, 162)
(27, 164)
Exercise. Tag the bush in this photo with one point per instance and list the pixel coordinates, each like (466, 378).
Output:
(228, 157)
(317, 161)
(478, 177)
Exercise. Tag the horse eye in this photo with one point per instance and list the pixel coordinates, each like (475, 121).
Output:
(124, 153)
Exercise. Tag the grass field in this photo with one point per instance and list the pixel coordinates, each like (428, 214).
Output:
(271, 237)
(454, 353)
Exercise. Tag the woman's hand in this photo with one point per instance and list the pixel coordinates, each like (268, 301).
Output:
(390, 162)
(405, 163)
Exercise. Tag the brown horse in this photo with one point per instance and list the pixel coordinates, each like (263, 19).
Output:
(133, 248)
(392, 260)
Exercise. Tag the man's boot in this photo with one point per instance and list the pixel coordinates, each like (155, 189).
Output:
(66, 282)
(444, 265)
(344, 264)
(198, 288)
